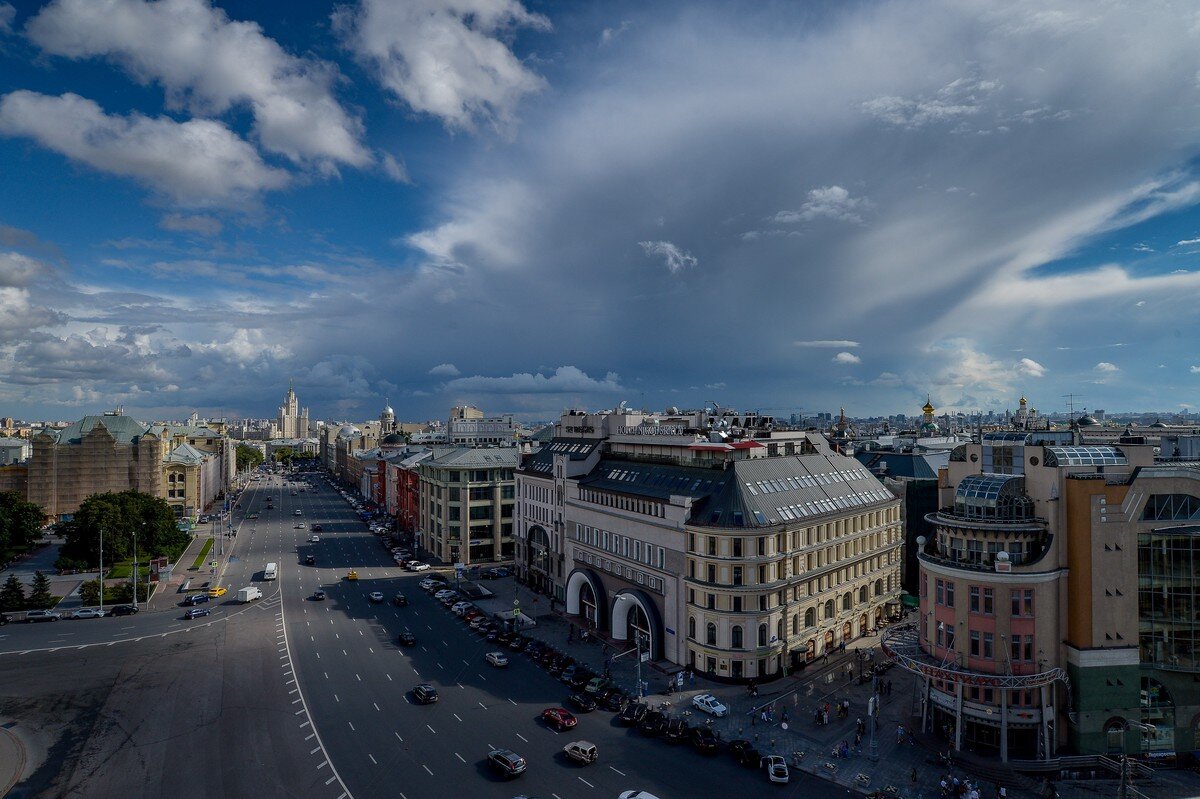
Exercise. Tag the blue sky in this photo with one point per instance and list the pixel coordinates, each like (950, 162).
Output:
(530, 206)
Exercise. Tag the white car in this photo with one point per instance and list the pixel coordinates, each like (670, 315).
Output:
(87, 613)
(296, 512)
(497, 659)
(459, 608)
(636, 795)
(316, 539)
(710, 704)
(445, 592)
(777, 769)
(427, 583)
(420, 567)
(376, 596)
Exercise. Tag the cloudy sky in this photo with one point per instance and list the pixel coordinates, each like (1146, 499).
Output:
(784, 206)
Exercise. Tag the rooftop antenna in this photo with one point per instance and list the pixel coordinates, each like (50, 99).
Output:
(1071, 402)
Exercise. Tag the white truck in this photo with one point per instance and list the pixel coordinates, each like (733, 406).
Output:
(271, 572)
(249, 594)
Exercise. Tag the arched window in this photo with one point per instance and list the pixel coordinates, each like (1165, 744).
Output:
(779, 629)
(796, 622)
(710, 634)
(810, 617)
(736, 637)
(829, 609)
(692, 627)
(878, 587)
(847, 601)
(862, 594)
(762, 635)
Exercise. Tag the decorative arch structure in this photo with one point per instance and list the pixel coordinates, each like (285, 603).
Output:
(634, 605)
(586, 597)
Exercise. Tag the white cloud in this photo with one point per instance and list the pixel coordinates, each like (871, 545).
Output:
(956, 100)
(7, 15)
(445, 370)
(829, 202)
(1105, 366)
(19, 270)
(1141, 246)
(608, 34)
(1187, 242)
(566, 379)
(248, 346)
(1194, 370)
(1030, 367)
(832, 343)
(394, 168)
(847, 358)
(182, 223)
(676, 260)
(445, 57)
(198, 162)
(208, 63)
(888, 380)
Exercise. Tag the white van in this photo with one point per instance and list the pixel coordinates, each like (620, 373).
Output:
(271, 572)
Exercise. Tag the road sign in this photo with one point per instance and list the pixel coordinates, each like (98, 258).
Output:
(645, 657)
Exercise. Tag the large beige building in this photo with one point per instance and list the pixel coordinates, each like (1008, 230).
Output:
(292, 420)
(467, 499)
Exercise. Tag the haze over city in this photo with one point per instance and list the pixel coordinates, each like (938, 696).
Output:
(530, 206)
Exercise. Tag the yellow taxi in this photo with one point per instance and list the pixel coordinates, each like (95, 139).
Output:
(352, 575)
(217, 591)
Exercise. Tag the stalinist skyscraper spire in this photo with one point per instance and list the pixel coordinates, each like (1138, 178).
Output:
(293, 420)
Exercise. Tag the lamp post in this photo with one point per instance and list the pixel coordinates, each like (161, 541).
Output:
(101, 577)
(135, 567)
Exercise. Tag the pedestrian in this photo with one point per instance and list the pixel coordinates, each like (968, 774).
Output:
(825, 656)
(1001, 791)
(783, 715)
(752, 718)
(764, 716)
(912, 777)
(846, 707)
(900, 734)
(691, 677)
(825, 718)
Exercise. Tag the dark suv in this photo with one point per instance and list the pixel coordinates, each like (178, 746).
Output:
(124, 610)
(425, 694)
(507, 762)
(633, 713)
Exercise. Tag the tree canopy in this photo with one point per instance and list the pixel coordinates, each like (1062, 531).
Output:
(120, 516)
(248, 457)
(20, 521)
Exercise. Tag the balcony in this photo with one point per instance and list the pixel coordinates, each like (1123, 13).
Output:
(947, 518)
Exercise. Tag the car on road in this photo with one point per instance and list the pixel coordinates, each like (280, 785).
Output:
(352, 575)
(85, 613)
(124, 610)
(427, 583)
(317, 528)
(583, 752)
(375, 596)
(195, 613)
(406, 638)
(195, 599)
(310, 560)
(517, 644)
(506, 762)
(497, 659)
(676, 731)
(596, 685)
(582, 702)
(318, 595)
(559, 718)
(424, 567)
(445, 592)
(652, 723)
(777, 769)
(459, 608)
(217, 591)
(425, 694)
(298, 526)
(613, 700)
(636, 795)
(400, 600)
(316, 539)
(296, 512)
(479, 622)
(579, 679)
(744, 753)
(710, 704)
(705, 741)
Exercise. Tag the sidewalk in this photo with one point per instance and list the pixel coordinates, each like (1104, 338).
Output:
(12, 760)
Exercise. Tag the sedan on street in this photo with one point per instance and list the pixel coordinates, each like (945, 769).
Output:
(86, 613)
(710, 704)
(582, 702)
(376, 596)
(195, 613)
(777, 769)
(425, 694)
(506, 762)
(497, 659)
(559, 718)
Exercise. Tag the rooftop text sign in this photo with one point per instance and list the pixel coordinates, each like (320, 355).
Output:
(651, 430)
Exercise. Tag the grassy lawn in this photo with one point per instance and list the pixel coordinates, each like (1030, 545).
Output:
(124, 569)
(203, 555)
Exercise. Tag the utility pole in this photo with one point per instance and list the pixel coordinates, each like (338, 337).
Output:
(135, 568)
(101, 580)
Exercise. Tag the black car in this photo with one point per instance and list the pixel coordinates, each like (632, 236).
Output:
(425, 694)
(318, 595)
(399, 600)
(195, 613)
(745, 754)
(652, 723)
(676, 731)
(580, 678)
(613, 700)
(632, 714)
(406, 638)
(310, 560)
(568, 672)
(581, 702)
(517, 644)
(507, 762)
(124, 610)
(705, 741)
(4, 619)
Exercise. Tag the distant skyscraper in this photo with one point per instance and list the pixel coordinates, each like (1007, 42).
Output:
(293, 420)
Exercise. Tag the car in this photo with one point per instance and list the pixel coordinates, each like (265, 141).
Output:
(777, 769)
(316, 539)
(478, 622)
(425, 694)
(579, 679)
(517, 643)
(317, 529)
(195, 613)
(676, 731)
(704, 741)
(427, 583)
(596, 685)
(296, 512)
(460, 608)
(569, 672)
(310, 560)
(375, 596)
(196, 599)
(406, 638)
(652, 723)
(318, 595)
(298, 526)
(4, 619)
(444, 593)
(424, 567)
(582, 702)
(612, 699)
(559, 718)
(636, 795)
(506, 762)
(84, 613)
(124, 610)
(583, 752)
(710, 704)
(400, 600)
(472, 614)
(352, 575)
(217, 591)
(497, 659)
(744, 753)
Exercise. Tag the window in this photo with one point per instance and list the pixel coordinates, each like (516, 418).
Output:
(974, 599)
(710, 633)
(987, 646)
(810, 617)
(829, 611)
(1015, 649)
(737, 575)
(974, 643)
(737, 604)
(712, 546)
(762, 635)
(736, 637)
(950, 636)
(988, 601)
(941, 593)
(737, 547)
(949, 593)
(712, 573)
(692, 627)
(453, 478)
(1028, 602)
(1016, 601)
(711, 601)
(847, 602)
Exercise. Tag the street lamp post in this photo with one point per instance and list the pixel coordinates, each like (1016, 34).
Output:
(873, 720)
(135, 569)
(101, 577)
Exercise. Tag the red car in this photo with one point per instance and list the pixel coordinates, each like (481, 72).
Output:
(559, 717)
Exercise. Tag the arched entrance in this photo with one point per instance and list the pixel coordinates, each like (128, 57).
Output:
(828, 641)
(878, 617)
(863, 624)
(586, 598)
(634, 613)
(847, 632)
(537, 559)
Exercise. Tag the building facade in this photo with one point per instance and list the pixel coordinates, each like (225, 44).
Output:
(467, 497)
(292, 420)
(469, 427)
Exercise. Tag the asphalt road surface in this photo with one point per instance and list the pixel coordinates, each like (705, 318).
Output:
(289, 696)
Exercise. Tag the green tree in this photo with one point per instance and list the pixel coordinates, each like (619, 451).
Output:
(40, 597)
(20, 521)
(89, 592)
(248, 457)
(12, 595)
(285, 455)
(120, 517)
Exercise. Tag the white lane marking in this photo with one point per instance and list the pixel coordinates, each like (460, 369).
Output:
(522, 737)
(460, 757)
(376, 706)
(457, 716)
(357, 677)
(512, 701)
(427, 769)
(585, 782)
(351, 723)
(622, 773)
(373, 760)
(335, 698)
(482, 705)
(400, 739)
(431, 729)
(388, 676)
(482, 678)
(322, 765)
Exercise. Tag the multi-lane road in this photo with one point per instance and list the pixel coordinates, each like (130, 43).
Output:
(289, 696)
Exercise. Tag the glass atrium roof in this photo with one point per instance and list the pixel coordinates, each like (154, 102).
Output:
(1085, 456)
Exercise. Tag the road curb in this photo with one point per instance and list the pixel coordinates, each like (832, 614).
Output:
(12, 756)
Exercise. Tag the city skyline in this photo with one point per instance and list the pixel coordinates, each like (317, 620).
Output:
(791, 208)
